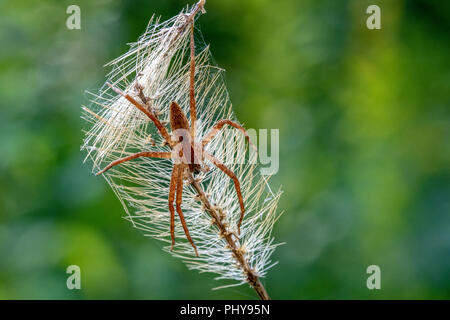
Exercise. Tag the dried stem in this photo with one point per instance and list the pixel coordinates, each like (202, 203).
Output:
(234, 245)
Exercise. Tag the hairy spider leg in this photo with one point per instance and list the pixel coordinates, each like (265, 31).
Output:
(172, 190)
(219, 125)
(162, 130)
(148, 154)
(192, 105)
(179, 198)
(237, 185)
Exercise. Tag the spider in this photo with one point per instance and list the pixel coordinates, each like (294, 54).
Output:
(187, 153)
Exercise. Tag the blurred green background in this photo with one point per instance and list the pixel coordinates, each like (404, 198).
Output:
(364, 147)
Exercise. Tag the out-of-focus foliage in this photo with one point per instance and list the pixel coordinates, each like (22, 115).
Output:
(364, 147)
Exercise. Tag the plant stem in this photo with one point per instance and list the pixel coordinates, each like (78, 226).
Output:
(234, 245)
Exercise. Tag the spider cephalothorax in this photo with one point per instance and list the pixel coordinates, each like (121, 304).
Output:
(187, 153)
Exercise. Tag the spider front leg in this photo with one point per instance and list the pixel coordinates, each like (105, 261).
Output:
(148, 154)
(162, 130)
(219, 125)
(192, 106)
(237, 185)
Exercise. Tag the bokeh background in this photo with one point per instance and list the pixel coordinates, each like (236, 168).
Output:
(364, 147)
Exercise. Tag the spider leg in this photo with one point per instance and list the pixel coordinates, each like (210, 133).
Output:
(192, 85)
(178, 205)
(148, 154)
(162, 130)
(172, 189)
(237, 185)
(219, 125)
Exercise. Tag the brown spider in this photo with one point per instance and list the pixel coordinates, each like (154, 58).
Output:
(187, 153)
